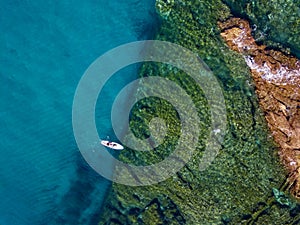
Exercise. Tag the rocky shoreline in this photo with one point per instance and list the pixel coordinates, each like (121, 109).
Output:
(277, 82)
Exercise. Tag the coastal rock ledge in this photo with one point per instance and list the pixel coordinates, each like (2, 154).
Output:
(277, 82)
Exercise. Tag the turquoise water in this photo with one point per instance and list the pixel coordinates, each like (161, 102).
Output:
(45, 47)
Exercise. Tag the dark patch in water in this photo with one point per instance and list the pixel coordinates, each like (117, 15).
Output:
(79, 197)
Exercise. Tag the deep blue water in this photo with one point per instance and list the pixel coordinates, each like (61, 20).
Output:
(45, 47)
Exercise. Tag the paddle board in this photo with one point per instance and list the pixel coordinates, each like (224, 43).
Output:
(112, 145)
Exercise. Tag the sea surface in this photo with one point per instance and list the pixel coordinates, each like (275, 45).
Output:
(45, 47)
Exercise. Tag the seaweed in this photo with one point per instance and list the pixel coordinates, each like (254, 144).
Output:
(238, 186)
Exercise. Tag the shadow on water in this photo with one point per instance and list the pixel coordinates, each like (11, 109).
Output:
(82, 203)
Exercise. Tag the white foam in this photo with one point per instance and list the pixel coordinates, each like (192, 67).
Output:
(280, 76)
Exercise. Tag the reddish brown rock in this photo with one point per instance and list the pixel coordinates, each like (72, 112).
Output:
(277, 82)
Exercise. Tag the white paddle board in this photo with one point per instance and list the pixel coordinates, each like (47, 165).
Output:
(112, 145)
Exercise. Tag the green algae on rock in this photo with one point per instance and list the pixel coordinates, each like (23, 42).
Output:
(276, 78)
(238, 187)
(277, 21)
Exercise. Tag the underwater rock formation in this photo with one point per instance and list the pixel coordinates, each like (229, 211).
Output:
(276, 23)
(244, 183)
(277, 81)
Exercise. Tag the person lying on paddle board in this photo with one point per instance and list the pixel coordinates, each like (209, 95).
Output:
(112, 145)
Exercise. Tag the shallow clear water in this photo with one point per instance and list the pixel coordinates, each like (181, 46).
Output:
(44, 50)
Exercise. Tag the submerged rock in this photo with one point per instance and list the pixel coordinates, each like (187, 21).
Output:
(238, 187)
(276, 23)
